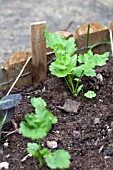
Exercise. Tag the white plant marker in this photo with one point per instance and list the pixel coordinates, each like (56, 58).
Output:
(111, 39)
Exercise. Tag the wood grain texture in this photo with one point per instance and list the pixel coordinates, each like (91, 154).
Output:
(39, 60)
(13, 68)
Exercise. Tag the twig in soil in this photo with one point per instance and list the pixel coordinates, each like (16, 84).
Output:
(16, 130)
(27, 156)
(9, 133)
(15, 126)
(101, 149)
(67, 26)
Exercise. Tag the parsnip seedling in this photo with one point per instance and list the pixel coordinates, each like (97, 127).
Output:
(70, 66)
(37, 126)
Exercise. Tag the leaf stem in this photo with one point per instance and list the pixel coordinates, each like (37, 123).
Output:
(76, 87)
(68, 85)
(41, 162)
(71, 82)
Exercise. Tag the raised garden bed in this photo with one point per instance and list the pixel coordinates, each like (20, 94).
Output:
(78, 133)
(87, 133)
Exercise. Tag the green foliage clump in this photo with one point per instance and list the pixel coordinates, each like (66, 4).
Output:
(36, 126)
(70, 66)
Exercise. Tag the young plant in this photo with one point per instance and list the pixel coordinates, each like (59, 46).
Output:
(70, 66)
(36, 127)
(90, 94)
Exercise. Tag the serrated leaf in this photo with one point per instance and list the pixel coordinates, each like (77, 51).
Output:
(81, 58)
(71, 46)
(54, 40)
(65, 65)
(100, 60)
(90, 72)
(59, 39)
(90, 94)
(78, 71)
(31, 132)
(50, 161)
(37, 125)
(38, 103)
(72, 63)
(57, 71)
(33, 149)
(64, 49)
(60, 159)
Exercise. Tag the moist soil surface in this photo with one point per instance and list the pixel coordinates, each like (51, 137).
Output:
(87, 134)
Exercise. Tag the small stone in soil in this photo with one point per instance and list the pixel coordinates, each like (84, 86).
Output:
(4, 165)
(103, 132)
(7, 156)
(52, 144)
(6, 144)
(106, 157)
(76, 134)
(99, 77)
(96, 120)
(109, 151)
(110, 133)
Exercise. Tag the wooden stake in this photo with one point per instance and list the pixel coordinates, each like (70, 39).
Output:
(39, 60)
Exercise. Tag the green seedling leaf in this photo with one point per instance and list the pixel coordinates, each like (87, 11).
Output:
(37, 125)
(65, 65)
(32, 132)
(60, 45)
(79, 89)
(38, 103)
(90, 94)
(60, 159)
(45, 152)
(33, 149)
(55, 39)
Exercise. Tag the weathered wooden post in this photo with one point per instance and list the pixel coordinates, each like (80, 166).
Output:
(39, 60)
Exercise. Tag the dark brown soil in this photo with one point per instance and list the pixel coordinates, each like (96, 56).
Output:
(88, 139)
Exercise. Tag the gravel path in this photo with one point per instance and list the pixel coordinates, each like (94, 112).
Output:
(16, 16)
